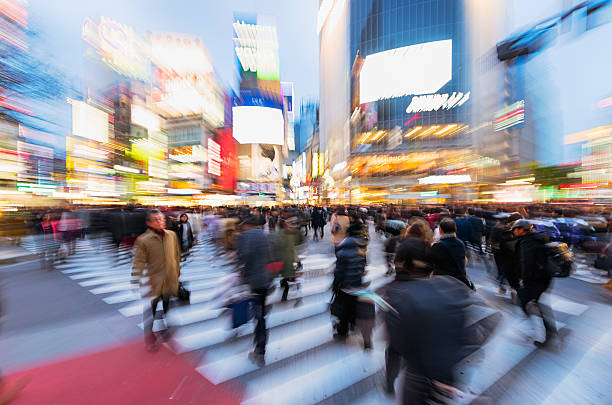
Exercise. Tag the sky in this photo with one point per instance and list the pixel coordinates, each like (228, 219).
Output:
(59, 22)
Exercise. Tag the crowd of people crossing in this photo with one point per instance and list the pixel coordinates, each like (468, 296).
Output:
(423, 304)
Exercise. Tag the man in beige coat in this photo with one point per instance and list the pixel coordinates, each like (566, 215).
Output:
(157, 257)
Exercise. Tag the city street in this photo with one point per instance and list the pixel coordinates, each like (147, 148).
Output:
(85, 312)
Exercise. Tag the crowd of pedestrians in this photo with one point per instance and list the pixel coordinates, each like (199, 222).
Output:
(423, 306)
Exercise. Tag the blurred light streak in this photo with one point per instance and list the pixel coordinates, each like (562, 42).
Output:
(414, 130)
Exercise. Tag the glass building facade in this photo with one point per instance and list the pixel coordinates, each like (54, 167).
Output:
(382, 25)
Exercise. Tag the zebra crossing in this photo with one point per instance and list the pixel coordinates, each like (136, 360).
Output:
(303, 363)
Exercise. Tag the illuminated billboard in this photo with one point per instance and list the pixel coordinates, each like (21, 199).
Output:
(89, 122)
(119, 47)
(214, 158)
(258, 125)
(510, 116)
(415, 69)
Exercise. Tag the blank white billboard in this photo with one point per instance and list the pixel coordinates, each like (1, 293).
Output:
(89, 122)
(415, 69)
(258, 125)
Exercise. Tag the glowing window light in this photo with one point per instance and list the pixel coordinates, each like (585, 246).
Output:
(214, 158)
(315, 164)
(429, 130)
(413, 131)
(448, 179)
(446, 129)
(415, 69)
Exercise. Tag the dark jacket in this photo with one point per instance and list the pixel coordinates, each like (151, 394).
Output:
(448, 258)
(429, 331)
(350, 262)
(478, 229)
(464, 229)
(254, 254)
(532, 257)
(185, 228)
(317, 219)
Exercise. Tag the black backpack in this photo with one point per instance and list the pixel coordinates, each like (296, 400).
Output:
(559, 259)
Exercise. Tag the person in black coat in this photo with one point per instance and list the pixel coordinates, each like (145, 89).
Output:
(350, 267)
(532, 257)
(448, 256)
(426, 330)
(185, 234)
(318, 223)
(503, 245)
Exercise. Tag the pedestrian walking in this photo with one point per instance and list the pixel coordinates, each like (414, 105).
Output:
(185, 235)
(448, 256)
(287, 240)
(350, 268)
(157, 257)
(532, 257)
(49, 242)
(318, 223)
(339, 223)
(426, 331)
(253, 252)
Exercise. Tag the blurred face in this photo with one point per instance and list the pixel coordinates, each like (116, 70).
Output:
(518, 232)
(157, 222)
(183, 218)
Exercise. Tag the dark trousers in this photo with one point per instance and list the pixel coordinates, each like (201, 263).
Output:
(531, 291)
(285, 285)
(318, 229)
(348, 313)
(393, 363)
(148, 314)
(261, 334)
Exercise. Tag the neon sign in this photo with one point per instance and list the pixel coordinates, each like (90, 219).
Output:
(435, 102)
(214, 158)
(510, 116)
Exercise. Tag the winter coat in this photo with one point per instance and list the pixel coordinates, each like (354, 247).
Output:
(286, 248)
(350, 262)
(478, 229)
(343, 224)
(448, 258)
(254, 254)
(532, 257)
(182, 228)
(317, 219)
(464, 229)
(429, 331)
(161, 260)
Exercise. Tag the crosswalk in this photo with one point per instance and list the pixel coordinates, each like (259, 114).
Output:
(303, 363)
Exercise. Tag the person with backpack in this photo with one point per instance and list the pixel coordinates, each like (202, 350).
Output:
(533, 258)
(339, 223)
(448, 256)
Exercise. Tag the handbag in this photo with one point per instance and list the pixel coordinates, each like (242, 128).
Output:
(336, 307)
(183, 293)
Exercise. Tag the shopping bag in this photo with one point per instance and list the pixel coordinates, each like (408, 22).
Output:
(242, 312)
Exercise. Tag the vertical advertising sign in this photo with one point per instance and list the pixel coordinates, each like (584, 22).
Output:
(229, 160)
(214, 158)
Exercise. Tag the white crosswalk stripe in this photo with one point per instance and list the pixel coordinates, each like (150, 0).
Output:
(303, 363)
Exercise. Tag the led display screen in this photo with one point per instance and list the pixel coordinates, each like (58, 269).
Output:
(415, 69)
(258, 125)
